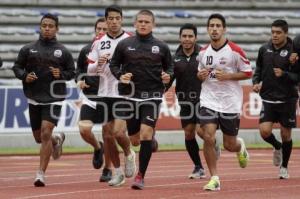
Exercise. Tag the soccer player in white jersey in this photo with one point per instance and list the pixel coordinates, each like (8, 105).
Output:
(102, 51)
(221, 65)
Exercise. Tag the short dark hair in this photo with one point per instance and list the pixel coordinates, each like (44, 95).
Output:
(145, 12)
(50, 16)
(217, 16)
(188, 26)
(101, 19)
(113, 8)
(282, 24)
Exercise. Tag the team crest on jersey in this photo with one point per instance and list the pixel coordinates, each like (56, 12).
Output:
(283, 53)
(57, 53)
(223, 61)
(155, 49)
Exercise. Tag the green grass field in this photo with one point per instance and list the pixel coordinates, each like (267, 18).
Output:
(76, 150)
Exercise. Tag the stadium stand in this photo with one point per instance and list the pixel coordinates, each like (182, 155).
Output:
(248, 21)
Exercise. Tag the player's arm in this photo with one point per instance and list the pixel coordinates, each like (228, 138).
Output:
(221, 75)
(68, 68)
(81, 68)
(203, 72)
(20, 63)
(93, 59)
(116, 62)
(168, 68)
(256, 79)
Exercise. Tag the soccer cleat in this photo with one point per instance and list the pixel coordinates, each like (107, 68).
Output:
(197, 173)
(213, 185)
(117, 180)
(98, 157)
(277, 157)
(283, 173)
(243, 155)
(39, 179)
(57, 149)
(138, 182)
(106, 175)
(130, 167)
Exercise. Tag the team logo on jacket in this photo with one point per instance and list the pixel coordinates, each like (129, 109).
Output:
(283, 53)
(57, 53)
(155, 49)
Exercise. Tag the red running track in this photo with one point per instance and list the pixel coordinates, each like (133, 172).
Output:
(73, 177)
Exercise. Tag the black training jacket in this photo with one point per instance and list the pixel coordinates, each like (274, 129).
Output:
(81, 73)
(145, 57)
(188, 86)
(276, 88)
(37, 57)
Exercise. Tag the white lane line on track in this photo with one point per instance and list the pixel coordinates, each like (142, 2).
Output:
(160, 185)
(231, 191)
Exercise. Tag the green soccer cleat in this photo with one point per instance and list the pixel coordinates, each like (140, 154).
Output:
(243, 155)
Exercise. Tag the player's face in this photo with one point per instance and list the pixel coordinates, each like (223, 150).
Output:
(188, 39)
(144, 24)
(114, 22)
(279, 37)
(101, 28)
(215, 29)
(48, 28)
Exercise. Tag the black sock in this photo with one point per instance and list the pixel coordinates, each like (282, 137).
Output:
(286, 152)
(193, 150)
(272, 140)
(145, 156)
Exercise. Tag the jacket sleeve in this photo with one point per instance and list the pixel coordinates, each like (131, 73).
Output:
(68, 71)
(256, 79)
(168, 65)
(81, 64)
(20, 63)
(169, 85)
(293, 74)
(116, 61)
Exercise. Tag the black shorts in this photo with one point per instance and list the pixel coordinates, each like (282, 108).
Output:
(145, 112)
(89, 113)
(38, 113)
(109, 109)
(284, 113)
(229, 123)
(188, 113)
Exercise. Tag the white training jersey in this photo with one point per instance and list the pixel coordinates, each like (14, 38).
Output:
(103, 45)
(223, 96)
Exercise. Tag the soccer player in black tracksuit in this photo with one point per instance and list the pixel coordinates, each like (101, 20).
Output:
(276, 80)
(143, 64)
(88, 112)
(187, 89)
(44, 66)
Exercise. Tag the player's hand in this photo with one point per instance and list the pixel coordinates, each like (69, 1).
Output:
(256, 87)
(278, 72)
(55, 72)
(165, 77)
(293, 58)
(221, 75)
(126, 78)
(31, 77)
(202, 74)
(101, 62)
(82, 85)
